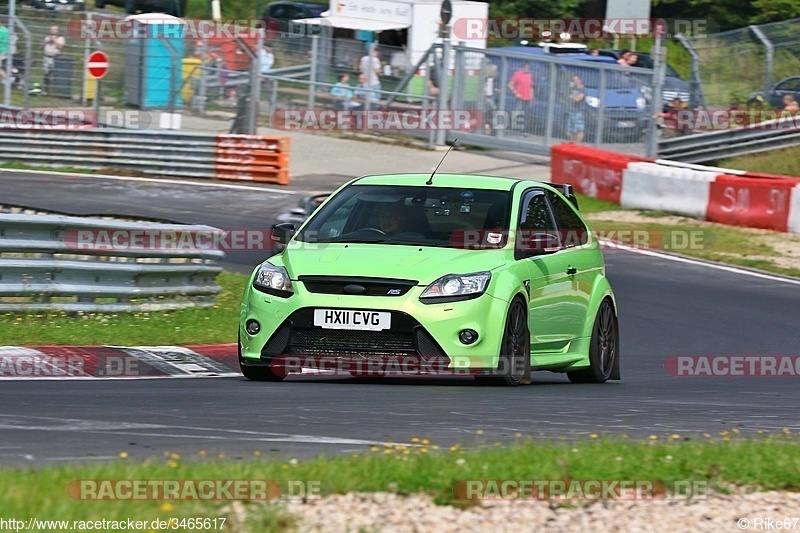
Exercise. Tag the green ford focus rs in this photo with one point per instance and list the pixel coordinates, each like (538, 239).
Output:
(412, 274)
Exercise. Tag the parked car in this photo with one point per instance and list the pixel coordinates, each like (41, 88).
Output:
(176, 8)
(625, 110)
(674, 85)
(279, 16)
(774, 98)
(58, 5)
(411, 273)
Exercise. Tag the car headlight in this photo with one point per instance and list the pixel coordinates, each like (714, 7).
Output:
(646, 91)
(592, 101)
(641, 103)
(457, 286)
(273, 280)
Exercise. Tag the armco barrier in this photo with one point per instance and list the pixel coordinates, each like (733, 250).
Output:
(721, 195)
(157, 153)
(48, 265)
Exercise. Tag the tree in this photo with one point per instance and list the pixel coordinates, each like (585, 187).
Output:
(775, 10)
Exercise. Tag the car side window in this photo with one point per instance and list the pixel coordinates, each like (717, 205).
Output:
(572, 229)
(536, 215)
(789, 85)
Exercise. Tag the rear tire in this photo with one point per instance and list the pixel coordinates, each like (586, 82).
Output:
(256, 373)
(603, 350)
(515, 350)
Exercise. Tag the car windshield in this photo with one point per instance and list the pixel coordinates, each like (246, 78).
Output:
(419, 216)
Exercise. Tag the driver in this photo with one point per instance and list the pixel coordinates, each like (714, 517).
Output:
(391, 219)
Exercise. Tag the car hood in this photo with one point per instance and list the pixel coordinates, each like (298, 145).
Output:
(618, 98)
(420, 263)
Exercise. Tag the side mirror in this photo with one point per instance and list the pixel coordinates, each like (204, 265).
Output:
(282, 233)
(540, 243)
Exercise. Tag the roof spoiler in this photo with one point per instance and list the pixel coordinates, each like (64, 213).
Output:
(567, 191)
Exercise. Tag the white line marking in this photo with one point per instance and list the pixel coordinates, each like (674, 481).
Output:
(155, 180)
(702, 263)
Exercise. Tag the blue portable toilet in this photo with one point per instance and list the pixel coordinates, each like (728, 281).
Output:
(153, 61)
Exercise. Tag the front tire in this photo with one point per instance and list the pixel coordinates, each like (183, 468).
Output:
(515, 350)
(603, 350)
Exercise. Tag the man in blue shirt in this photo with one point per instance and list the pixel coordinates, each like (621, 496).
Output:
(343, 90)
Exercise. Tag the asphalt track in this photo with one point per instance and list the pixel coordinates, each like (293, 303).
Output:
(667, 308)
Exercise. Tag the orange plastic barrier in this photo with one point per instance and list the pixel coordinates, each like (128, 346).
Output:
(252, 158)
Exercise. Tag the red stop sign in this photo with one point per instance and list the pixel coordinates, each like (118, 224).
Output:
(97, 65)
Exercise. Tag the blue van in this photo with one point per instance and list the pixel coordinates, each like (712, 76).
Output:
(625, 108)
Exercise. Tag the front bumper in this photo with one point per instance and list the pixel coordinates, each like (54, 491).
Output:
(425, 335)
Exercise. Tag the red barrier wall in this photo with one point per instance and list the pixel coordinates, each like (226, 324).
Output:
(757, 202)
(593, 172)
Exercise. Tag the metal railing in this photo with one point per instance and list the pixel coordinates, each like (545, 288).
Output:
(159, 153)
(62, 263)
(712, 146)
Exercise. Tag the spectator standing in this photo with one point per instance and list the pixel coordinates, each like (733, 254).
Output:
(575, 123)
(266, 59)
(521, 86)
(53, 44)
(370, 66)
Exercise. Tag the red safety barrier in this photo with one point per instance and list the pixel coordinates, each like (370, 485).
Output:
(252, 158)
(756, 202)
(593, 172)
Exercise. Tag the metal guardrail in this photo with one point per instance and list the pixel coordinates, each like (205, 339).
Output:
(48, 264)
(160, 153)
(712, 146)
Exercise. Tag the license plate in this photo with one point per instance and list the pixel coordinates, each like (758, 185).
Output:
(625, 124)
(352, 319)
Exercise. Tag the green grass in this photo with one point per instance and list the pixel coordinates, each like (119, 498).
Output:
(590, 205)
(725, 244)
(785, 162)
(768, 463)
(19, 165)
(187, 326)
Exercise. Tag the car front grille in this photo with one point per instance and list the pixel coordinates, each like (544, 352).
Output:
(297, 335)
(357, 286)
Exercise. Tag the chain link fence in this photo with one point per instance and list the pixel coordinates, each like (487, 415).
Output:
(567, 99)
(744, 65)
